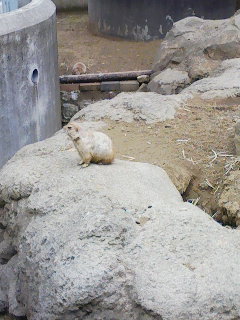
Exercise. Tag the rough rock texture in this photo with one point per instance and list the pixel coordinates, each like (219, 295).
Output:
(180, 174)
(229, 199)
(68, 111)
(197, 46)
(169, 81)
(237, 138)
(109, 242)
(73, 101)
(197, 49)
(148, 106)
(143, 88)
(224, 82)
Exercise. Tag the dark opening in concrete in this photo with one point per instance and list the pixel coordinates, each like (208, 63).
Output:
(34, 77)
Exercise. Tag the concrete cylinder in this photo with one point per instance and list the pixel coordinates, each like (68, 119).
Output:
(29, 85)
(71, 4)
(144, 20)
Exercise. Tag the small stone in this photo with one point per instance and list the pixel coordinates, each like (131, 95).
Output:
(143, 78)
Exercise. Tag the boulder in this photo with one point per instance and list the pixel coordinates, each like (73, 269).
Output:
(197, 46)
(109, 242)
(148, 106)
(169, 81)
(222, 83)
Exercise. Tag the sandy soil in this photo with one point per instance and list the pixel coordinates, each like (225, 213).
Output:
(77, 44)
(185, 148)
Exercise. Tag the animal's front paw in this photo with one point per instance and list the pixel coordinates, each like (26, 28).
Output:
(80, 162)
(85, 165)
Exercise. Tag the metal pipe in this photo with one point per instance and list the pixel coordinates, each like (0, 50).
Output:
(99, 77)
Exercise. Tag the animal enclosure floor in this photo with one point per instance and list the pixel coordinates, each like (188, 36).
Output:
(99, 54)
(198, 143)
(184, 146)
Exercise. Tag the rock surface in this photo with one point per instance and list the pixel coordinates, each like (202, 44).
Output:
(143, 78)
(148, 106)
(169, 81)
(197, 46)
(224, 82)
(229, 199)
(109, 242)
(143, 88)
(68, 111)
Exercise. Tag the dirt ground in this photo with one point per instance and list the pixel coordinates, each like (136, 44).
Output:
(196, 148)
(99, 54)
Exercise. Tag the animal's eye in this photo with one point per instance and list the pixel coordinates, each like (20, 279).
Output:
(69, 127)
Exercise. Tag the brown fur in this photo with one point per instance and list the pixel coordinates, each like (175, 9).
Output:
(79, 68)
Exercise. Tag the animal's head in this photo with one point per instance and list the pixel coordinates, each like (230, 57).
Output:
(72, 130)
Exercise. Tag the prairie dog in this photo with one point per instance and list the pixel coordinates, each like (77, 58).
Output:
(92, 146)
(79, 68)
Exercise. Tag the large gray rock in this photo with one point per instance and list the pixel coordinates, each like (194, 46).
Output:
(109, 242)
(169, 81)
(147, 106)
(197, 46)
(222, 83)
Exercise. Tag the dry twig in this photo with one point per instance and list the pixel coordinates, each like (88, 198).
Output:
(128, 157)
(188, 159)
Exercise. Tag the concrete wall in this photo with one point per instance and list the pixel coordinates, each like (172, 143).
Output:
(10, 5)
(143, 20)
(71, 4)
(29, 85)
(22, 3)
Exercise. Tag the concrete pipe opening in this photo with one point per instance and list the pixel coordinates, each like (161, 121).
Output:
(144, 20)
